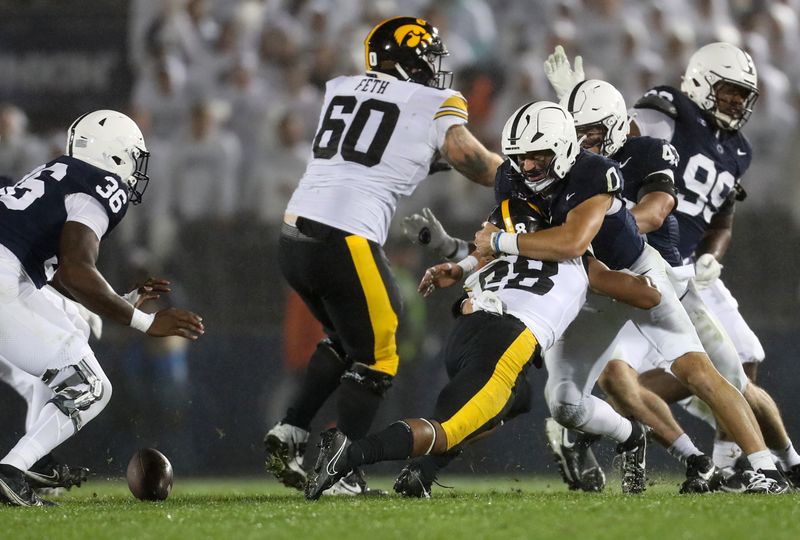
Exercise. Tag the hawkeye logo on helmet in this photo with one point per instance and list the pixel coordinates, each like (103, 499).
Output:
(411, 35)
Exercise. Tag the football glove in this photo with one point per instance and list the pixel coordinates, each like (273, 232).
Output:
(561, 76)
(706, 270)
(426, 230)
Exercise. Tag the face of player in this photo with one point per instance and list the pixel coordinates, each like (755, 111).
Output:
(536, 165)
(731, 99)
(594, 135)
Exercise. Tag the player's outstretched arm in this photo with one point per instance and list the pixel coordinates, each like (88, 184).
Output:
(638, 291)
(560, 243)
(77, 274)
(469, 157)
(559, 72)
(426, 230)
(652, 209)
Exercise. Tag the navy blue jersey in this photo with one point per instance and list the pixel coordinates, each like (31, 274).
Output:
(33, 213)
(648, 164)
(712, 162)
(618, 242)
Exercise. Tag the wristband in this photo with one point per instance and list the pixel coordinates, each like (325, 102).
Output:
(468, 265)
(141, 320)
(503, 242)
(461, 250)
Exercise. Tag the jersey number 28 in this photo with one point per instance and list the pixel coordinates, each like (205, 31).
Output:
(336, 127)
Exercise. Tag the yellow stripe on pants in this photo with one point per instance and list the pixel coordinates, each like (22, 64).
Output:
(382, 317)
(490, 400)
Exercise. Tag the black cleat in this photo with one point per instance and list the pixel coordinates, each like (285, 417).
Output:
(355, 484)
(285, 446)
(770, 482)
(49, 473)
(633, 454)
(793, 476)
(576, 462)
(735, 479)
(412, 482)
(15, 490)
(700, 474)
(330, 466)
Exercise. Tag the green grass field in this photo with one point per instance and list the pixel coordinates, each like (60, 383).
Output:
(476, 508)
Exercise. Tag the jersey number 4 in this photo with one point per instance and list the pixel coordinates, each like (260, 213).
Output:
(351, 150)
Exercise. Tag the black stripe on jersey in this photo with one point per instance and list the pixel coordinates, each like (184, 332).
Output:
(72, 132)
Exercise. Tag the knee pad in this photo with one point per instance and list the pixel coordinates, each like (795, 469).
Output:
(375, 381)
(77, 388)
(568, 406)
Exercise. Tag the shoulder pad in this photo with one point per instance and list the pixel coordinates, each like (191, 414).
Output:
(658, 103)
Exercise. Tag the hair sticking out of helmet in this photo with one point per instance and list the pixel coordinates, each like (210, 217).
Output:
(408, 49)
(597, 104)
(715, 68)
(113, 142)
(541, 134)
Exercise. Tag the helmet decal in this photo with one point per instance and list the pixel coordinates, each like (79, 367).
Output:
(411, 35)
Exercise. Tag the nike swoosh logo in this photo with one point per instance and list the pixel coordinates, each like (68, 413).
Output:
(570, 196)
(706, 475)
(740, 153)
(621, 165)
(336, 456)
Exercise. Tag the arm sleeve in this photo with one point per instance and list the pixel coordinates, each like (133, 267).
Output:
(452, 112)
(87, 210)
(654, 124)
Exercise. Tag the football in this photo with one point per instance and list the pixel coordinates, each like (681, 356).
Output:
(149, 475)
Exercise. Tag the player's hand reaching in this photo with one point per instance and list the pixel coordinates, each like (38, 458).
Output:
(150, 290)
(176, 322)
(426, 230)
(561, 76)
(440, 276)
(483, 240)
(706, 270)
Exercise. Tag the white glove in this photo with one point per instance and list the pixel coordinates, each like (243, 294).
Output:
(706, 270)
(426, 230)
(563, 78)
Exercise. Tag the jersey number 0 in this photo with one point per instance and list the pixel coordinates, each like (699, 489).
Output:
(337, 127)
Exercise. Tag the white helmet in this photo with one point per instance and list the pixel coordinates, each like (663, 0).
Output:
(538, 126)
(113, 142)
(720, 62)
(596, 102)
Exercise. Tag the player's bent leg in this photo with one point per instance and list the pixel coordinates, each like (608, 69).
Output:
(285, 443)
(80, 392)
(732, 411)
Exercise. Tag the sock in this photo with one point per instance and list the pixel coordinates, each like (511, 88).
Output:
(788, 457)
(604, 420)
(725, 453)
(50, 429)
(393, 443)
(683, 448)
(761, 460)
(325, 369)
(357, 406)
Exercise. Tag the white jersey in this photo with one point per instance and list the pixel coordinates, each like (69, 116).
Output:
(375, 142)
(545, 296)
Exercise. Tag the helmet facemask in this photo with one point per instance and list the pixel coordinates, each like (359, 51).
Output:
(138, 181)
(734, 121)
(542, 176)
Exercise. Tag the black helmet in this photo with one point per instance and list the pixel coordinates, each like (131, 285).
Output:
(517, 216)
(409, 49)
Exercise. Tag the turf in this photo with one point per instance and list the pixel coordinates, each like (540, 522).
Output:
(475, 508)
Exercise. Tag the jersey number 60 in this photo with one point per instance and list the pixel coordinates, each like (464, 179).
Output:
(389, 113)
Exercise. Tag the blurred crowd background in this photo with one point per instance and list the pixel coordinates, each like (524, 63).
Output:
(228, 94)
